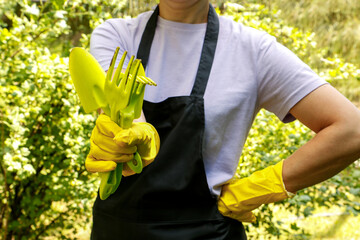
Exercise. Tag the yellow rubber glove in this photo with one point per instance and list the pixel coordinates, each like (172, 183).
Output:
(111, 144)
(241, 196)
(145, 137)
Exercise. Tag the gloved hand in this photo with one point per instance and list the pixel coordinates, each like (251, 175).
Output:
(241, 196)
(145, 137)
(110, 144)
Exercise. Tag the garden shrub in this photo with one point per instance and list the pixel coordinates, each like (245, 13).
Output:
(44, 187)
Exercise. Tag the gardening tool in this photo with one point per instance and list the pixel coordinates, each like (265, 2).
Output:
(120, 96)
(88, 78)
(124, 96)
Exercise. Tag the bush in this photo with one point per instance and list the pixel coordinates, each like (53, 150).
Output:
(45, 188)
(336, 23)
(44, 133)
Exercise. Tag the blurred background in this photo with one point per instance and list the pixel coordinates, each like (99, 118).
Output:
(45, 191)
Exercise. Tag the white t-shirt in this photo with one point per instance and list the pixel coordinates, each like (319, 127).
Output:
(250, 71)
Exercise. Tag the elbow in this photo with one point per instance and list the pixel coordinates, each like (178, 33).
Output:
(351, 135)
(357, 138)
(355, 128)
(345, 137)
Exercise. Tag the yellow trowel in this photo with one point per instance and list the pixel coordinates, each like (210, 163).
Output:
(88, 78)
(120, 96)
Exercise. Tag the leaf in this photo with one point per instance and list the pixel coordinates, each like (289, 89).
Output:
(308, 211)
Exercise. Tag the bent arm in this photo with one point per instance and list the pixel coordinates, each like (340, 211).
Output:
(336, 122)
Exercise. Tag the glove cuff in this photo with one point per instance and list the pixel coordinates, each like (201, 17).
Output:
(279, 169)
(241, 196)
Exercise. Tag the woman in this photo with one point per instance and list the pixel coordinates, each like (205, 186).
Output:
(213, 76)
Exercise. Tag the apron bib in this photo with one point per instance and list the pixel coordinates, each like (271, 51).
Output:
(170, 199)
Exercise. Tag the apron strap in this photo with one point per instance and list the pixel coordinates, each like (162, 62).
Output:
(147, 38)
(207, 53)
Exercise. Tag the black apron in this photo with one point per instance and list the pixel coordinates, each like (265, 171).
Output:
(170, 199)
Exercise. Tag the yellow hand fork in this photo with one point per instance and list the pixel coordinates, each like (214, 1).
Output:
(124, 94)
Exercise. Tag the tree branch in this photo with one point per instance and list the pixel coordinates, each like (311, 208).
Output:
(5, 211)
(45, 228)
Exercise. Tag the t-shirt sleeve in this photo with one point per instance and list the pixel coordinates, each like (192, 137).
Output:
(283, 78)
(104, 40)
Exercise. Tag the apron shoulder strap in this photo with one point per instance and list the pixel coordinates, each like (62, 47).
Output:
(207, 53)
(147, 38)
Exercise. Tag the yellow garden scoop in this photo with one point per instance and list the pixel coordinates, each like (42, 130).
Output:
(88, 78)
(120, 95)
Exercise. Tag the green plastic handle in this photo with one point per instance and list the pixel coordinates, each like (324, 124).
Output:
(136, 163)
(110, 181)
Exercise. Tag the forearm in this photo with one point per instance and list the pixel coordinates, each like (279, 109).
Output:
(336, 145)
(329, 152)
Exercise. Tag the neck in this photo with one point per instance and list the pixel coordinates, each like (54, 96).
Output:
(185, 11)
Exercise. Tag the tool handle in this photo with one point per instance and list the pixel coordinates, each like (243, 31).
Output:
(110, 181)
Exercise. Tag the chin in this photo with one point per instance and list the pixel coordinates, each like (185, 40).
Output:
(183, 2)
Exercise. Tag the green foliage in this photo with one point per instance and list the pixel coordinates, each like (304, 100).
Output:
(44, 188)
(74, 20)
(44, 133)
(336, 23)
